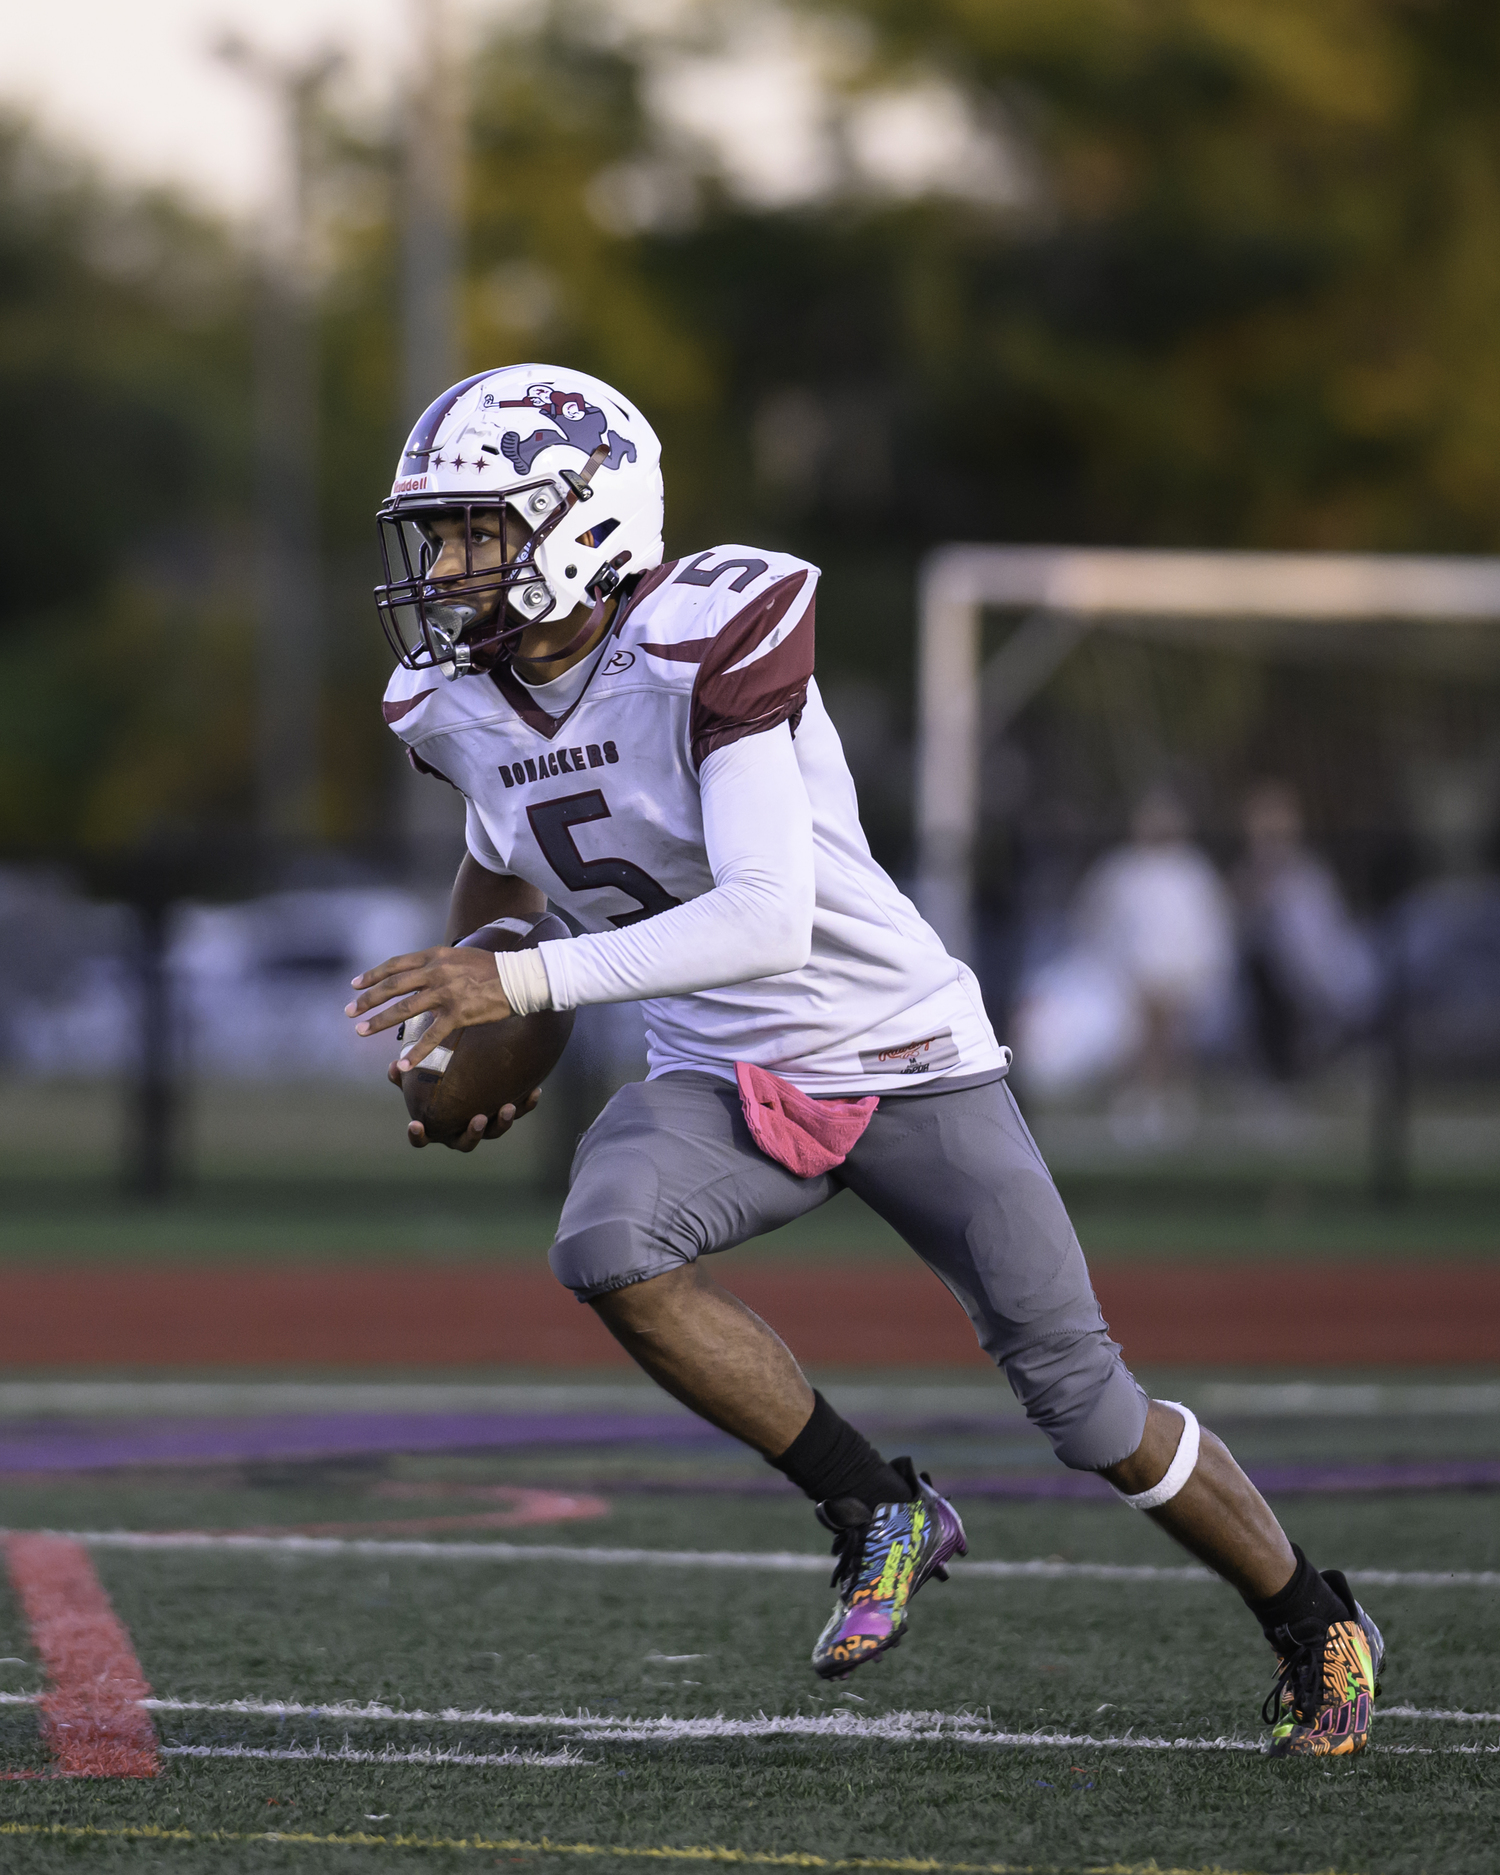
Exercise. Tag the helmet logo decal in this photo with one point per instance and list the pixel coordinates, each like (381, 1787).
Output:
(579, 425)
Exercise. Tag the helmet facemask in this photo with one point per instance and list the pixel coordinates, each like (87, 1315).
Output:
(471, 621)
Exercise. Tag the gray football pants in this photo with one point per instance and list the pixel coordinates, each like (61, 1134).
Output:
(669, 1173)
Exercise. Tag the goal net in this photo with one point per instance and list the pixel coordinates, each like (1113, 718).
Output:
(1065, 694)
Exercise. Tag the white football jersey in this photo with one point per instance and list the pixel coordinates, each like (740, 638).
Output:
(599, 807)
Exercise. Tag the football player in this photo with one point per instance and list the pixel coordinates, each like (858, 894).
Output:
(642, 742)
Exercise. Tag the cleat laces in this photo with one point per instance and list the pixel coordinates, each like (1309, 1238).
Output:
(1301, 1680)
(848, 1538)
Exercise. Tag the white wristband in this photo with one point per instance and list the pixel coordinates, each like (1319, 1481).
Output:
(523, 977)
(1177, 1473)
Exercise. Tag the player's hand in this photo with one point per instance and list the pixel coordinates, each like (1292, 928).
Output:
(460, 987)
(480, 1127)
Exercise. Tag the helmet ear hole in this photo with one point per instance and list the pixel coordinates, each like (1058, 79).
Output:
(594, 536)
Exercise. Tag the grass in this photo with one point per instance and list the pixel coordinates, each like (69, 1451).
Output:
(1082, 1656)
(268, 1219)
(299, 1170)
(326, 1179)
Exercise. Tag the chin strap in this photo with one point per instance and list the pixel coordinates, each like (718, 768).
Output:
(602, 590)
(581, 637)
(1177, 1473)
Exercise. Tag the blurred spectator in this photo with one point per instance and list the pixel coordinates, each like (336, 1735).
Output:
(1444, 938)
(1147, 977)
(1311, 974)
(68, 966)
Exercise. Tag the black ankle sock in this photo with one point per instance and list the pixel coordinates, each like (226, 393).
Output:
(1301, 1610)
(829, 1459)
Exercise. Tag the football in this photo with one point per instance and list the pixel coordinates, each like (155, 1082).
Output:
(493, 1064)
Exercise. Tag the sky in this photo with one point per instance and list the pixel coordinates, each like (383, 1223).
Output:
(135, 82)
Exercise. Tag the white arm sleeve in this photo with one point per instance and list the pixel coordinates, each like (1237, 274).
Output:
(757, 920)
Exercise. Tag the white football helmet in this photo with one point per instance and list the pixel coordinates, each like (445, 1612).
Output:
(570, 457)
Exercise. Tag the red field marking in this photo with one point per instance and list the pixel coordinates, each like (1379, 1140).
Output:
(1265, 1313)
(525, 1508)
(91, 1717)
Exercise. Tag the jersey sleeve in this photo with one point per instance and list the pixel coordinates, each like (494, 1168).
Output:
(751, 637)
(757, 920)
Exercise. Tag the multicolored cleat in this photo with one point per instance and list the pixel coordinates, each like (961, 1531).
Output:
(884, 1557)
(1324, 1697)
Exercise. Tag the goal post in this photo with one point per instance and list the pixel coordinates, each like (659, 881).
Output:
(1064, 593)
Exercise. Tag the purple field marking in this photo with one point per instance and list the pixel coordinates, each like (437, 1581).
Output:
(1416, 1474)
(59, 1448)
(1276, 1480)
(329, 1435)
(1441, 1474)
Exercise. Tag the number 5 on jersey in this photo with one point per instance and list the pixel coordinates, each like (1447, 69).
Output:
(553, 821)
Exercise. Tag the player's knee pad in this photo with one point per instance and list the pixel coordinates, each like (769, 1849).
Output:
(1078, 1391)
(1183, 1464)
(608, 1255)
(610, 1232)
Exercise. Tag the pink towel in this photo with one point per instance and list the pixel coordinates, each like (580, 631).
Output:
(807, 1136)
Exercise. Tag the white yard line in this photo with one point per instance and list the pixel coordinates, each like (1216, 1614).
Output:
(896, 1727)
(965, 1726)
(315, 1754)
(956, 1728)
(772, 1560)
(20, 1399)
(1437, 1751)
(1425, 1578)
(659, 1731)
(768, 1561)
(1261, 1399)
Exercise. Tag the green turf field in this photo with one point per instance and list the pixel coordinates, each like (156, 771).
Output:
(265, 1219)
(289, 1173)
(569, 1712)
(578, 1704)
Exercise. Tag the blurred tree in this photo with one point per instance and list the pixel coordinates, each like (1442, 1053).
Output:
(1194, 271)
(1256, 303)
(121, 367)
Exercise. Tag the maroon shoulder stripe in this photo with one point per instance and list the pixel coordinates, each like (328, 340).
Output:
(393, 712)
(730, 704)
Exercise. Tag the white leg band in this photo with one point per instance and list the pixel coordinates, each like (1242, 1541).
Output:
(1178, 1472)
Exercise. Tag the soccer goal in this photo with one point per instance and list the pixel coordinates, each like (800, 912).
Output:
(1366, 676)
(1288, 604)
